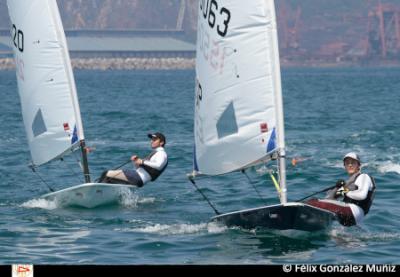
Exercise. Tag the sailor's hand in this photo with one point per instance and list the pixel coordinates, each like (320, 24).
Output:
(342, 192)
(138, 162)
(340, 183)
(89, 149)
(134, 158)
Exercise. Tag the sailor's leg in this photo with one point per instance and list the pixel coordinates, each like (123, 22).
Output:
(342, 210)
(126, 176)
(133, 177)
(103, 177)
(117, 174)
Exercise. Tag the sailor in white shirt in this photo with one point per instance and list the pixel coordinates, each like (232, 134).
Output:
(146, 169)
(358, 193)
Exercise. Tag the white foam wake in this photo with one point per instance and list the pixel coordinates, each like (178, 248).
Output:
(181, 229)
(389, 166)
(40, 203)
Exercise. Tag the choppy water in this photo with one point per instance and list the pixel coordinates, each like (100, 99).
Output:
(328, 112)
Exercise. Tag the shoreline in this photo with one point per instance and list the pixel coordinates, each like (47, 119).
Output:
(119, 63)
(184, 64)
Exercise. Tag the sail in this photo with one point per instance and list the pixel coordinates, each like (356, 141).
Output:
(238, 102)
(46, 84)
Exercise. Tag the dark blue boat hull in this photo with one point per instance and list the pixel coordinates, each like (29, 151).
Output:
(291, 216)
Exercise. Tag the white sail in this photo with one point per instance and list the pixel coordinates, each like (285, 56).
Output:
(238, 102)
(45, 80)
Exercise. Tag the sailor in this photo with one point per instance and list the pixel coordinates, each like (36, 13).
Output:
(357, 192)
(146, 169)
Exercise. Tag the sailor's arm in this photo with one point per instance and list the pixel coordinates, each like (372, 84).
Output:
(363, 183)
(158, 160)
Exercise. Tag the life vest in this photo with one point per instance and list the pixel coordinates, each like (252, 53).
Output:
(367, 202)
(153, 172)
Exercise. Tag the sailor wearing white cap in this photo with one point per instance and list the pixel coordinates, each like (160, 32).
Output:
(357, 192)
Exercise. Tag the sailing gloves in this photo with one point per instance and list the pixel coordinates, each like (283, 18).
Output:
(342, 192)
(340, 183)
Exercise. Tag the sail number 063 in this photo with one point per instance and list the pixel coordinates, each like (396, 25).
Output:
(211, 11)
(18, 38)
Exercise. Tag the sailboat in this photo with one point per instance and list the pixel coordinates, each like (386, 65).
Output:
(239, 120)
(49, 100)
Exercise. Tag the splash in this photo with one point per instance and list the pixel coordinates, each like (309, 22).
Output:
(147, 200)
(40, 203)
(128, 198)
(389, 167)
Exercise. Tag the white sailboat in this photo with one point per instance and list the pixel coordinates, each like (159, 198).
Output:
(49, 99)
(239, 119)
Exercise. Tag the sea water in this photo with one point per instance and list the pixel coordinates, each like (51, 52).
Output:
(328, 112)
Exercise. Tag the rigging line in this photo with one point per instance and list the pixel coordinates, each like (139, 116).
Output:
(254, 187)
(315, 193)
(72, 170)
(205, 197)
(116, 168)
(40, 177)
(77, 159)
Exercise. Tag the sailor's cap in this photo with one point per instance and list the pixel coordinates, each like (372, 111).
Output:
(352, 155)
(157, 135)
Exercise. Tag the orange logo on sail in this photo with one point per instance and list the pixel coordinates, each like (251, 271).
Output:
(21, 270)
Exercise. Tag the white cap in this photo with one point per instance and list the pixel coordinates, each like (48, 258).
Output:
(353, 156)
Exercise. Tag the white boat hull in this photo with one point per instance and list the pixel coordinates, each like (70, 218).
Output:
(290, 216)
(88, 195)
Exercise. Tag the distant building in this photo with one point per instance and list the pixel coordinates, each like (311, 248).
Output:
(119, 44)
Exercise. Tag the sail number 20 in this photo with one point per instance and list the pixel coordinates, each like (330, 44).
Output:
(18, 38)
(211, 12)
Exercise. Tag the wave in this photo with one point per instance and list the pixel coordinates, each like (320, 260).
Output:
(357, 237)
(389, 167)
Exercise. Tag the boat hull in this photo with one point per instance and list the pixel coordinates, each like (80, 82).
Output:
(88, 195)
(290, 216)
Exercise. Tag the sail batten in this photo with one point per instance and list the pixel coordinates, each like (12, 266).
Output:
(46, 85)
(236, 106)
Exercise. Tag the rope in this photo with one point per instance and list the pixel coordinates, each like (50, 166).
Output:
(72, 170)
(275, 182)
(40, 177)
(116, 168)
(205, 197)
(77, 160)
(254, 187)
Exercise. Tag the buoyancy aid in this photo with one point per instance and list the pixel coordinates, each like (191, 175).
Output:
(366, 203)
(153, 172)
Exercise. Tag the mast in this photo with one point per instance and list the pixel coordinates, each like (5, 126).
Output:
(85, 163)
(279, 103)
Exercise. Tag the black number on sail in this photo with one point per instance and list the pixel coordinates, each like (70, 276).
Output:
(18, 38)
(204, 8)
(223, 32)
(199, 93)
(211, 13)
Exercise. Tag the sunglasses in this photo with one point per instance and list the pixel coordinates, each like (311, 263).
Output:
(350, 162)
